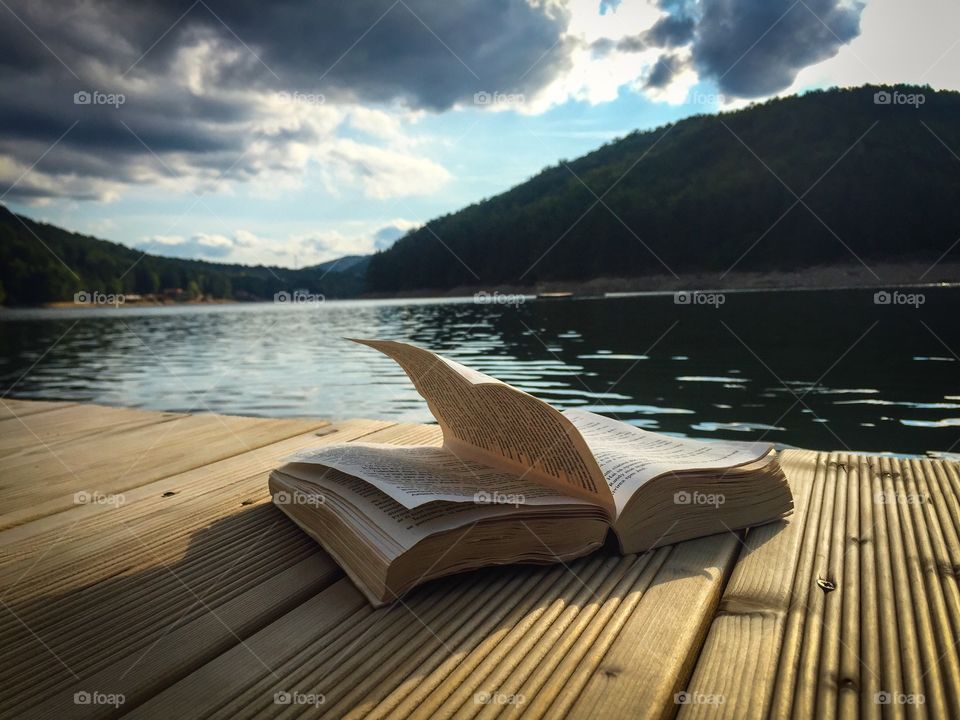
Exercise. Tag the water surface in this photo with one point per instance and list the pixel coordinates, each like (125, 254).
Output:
(819, 369)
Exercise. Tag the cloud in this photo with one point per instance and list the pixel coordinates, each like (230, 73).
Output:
(663, 71)
(200, 246)
(748, 48)
(380, 173)
(754, 48)
(909, 43)
(219, 93)
(670, 31)
(295, 250)
(428, 53)
(222, 93)
(389, 234)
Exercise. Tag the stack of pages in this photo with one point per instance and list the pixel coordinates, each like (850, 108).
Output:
(515, 481)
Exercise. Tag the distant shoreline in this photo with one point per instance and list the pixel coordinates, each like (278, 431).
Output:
(68, 304)
(825, 277)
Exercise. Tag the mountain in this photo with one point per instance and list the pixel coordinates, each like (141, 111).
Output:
(351, 264)
(43, 263)
(822, 178)
(876, 171)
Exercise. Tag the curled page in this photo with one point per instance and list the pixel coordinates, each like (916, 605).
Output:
(493, 423)
(629, 457)
(415, 475)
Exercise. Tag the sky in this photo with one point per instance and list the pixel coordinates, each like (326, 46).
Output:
(294, 132)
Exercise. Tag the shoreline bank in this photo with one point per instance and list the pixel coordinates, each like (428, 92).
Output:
(825, 277)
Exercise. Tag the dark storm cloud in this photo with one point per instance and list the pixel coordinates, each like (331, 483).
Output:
(750, 48)
(753, 48)
(431, 53)
(426, 54)
(731, 45)
(670, 31)
(667, 32)
(663, 71)
(197, 75)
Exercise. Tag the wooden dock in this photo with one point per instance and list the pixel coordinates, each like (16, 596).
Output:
(145, 573)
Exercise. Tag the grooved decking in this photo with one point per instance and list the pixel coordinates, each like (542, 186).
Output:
(195, 597)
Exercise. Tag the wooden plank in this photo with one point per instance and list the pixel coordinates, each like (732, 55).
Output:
(98, 518)
(77, 633)
(44, 480)
(11, 408)
(445, 651)
(740, 654)
(650, 661)
(98, 547)
(937, 658)
(161, 546)
(322, 619)
(455, 646)
(185, 647)
(873, 609)
(209, 602)
(136, 567)
(55, 427)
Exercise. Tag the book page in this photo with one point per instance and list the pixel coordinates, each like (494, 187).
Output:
(629, 457)
(404, 526)
(492, 423)
(415, 475)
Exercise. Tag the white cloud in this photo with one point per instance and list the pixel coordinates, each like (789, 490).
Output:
(167, 240)
(379, 172)
(623, 20)
(294, 250)
(597, 77)
(390, 126)
(181, 130)
(900, 42)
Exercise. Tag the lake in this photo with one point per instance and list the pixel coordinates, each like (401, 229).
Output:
(821, 369)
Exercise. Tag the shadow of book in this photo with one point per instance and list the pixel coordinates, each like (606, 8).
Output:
(254, 606)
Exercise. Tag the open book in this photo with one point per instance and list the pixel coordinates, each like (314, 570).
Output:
(515, 481)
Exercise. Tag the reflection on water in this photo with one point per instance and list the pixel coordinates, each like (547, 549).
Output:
(824, 369)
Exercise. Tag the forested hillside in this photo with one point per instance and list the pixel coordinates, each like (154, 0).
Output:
(821, 178)
(879, 180)
(43, 263)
